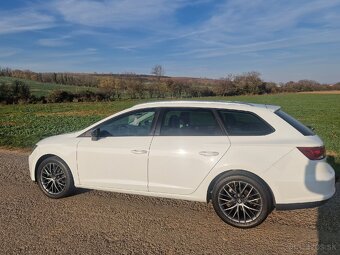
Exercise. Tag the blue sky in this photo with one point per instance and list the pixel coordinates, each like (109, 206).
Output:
(283, 40)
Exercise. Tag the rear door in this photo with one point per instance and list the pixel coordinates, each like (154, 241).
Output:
(187, 144)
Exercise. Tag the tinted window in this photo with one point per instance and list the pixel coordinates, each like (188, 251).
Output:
(186, 122)
(134, 124)
(239, 123)
(295, 123)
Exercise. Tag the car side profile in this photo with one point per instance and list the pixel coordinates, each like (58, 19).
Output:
(247, 159)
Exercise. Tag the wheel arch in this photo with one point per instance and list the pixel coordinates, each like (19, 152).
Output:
(238, 171)
(42, 158)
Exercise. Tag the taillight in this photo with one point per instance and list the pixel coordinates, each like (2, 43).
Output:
(313, 153)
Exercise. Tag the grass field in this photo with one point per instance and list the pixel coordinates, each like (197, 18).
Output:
(43, 89)
(23, 125)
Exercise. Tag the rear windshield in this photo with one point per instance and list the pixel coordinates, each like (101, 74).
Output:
(295, 123)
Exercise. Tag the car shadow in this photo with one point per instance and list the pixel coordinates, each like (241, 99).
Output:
(336, 166)
(328, 224)
(328, 218)
(79, 191)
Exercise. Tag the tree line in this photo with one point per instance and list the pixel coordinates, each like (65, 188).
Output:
(132, 86)
(57, 78)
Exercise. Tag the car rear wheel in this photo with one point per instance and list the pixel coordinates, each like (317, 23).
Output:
(241, 199)
(55, 178)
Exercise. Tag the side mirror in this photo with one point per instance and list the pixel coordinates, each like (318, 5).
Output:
(95, 134)
(311, 128)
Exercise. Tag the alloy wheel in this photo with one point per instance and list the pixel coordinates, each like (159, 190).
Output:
(53, 178)
(240, 202)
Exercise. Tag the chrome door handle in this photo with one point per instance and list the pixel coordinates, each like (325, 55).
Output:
(139, 151)
(208, 153)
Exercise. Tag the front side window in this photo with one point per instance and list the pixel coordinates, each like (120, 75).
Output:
(189, 122)
(239, 123)
(133, 124)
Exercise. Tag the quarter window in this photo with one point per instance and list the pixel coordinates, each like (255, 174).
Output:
(295, 123)
(239, 123)
(134, 124)
(189, 122)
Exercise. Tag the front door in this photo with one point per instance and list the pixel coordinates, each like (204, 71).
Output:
(118, 159)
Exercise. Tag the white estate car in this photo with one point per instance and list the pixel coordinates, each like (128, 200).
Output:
(246, 158)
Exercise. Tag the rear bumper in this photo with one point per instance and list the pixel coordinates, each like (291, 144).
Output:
(297, 182)
(295, 206)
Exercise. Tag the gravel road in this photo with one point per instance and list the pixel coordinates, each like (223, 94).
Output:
(94, 222)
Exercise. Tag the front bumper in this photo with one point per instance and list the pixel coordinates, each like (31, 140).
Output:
(32, 161)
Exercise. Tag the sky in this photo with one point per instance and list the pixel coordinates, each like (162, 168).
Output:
(283, 40)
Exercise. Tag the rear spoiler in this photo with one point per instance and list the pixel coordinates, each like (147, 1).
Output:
(273, 108)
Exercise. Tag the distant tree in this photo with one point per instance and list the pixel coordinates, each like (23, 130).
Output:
(248, 83)
(21, 91)
(158, 71)
(269, 87)
(6, 93)
(170, 85)
(139, 87)
(108, 86)
(227, 86)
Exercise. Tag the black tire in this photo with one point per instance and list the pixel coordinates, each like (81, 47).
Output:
(241, 199)
(55, 178)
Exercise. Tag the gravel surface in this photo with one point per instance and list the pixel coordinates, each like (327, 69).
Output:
(94, 222)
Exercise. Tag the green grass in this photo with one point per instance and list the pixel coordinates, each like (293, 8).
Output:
(43, 89)
(24, 125)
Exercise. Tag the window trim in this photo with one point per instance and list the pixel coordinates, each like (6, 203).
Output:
(163, 110)
(247, 112)
(152, 130)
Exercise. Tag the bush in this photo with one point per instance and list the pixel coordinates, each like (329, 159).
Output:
(21, 91)
(60, 96)
(6, 94)
(16, 92)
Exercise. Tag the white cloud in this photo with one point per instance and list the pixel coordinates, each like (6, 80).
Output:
(240, 26)
(116, 14)
(8, 52)
(21, 20)
(54, 42)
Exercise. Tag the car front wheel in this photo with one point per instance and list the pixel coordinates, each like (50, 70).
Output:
(241, 199)
(55, 178)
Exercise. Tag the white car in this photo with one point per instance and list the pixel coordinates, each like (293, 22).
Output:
(246, 158)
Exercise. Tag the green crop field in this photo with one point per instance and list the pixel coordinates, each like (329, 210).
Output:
(23, 125)
(43, 89)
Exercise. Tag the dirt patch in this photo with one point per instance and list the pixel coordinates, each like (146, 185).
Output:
(94, 222)
(24, 151)
(331, 153)
(8, 123)
(328, 92)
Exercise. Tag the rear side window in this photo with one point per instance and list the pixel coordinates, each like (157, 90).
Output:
(295, 123)
(189, 122)
(240, 123)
